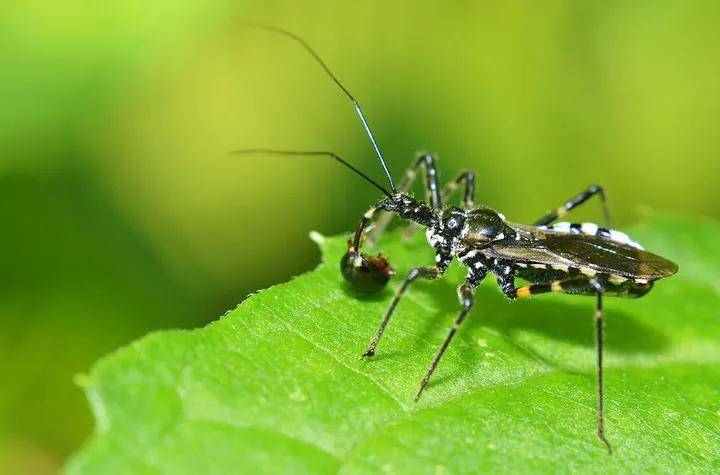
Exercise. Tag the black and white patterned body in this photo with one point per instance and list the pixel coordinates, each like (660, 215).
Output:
(572, 258)
(559, 258)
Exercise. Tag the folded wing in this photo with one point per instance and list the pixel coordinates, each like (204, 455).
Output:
(593, 252)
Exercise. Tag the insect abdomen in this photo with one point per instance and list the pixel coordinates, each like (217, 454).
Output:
(591, 229)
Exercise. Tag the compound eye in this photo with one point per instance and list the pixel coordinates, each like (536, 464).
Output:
(366, 274)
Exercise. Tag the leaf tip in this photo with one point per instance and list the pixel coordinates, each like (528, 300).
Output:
(82, 380)
(317, 238)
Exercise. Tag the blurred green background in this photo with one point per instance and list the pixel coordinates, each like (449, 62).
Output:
(123, 212)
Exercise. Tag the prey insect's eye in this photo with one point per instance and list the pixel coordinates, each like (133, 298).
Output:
(366, 274)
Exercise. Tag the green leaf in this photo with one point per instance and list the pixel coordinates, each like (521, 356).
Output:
(276, 385)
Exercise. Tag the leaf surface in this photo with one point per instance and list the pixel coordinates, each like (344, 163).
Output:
(276, 385)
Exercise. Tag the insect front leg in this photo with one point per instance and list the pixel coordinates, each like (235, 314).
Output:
(575, 202)
(426, 163)
(362, 228)
(366, 274)
(430, 273)
(466, 292)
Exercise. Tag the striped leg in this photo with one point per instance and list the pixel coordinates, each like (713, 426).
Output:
(573, 203)
(571, 285)
(465, 294)
(429, 273)
(591, 286)
(432, 191)
(599, 344)
(432, 186)
(365, 273)
(362, 228)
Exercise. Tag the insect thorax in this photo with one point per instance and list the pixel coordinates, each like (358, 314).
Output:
(457, 231)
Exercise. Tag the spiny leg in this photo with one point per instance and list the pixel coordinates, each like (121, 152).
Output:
(465, 294)
(573, 203)
(426, 162)
(429, 273)
(582, 285)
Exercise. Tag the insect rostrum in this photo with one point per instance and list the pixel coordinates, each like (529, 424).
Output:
(561, 257)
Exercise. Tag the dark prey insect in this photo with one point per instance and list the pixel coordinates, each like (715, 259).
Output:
(570, 258)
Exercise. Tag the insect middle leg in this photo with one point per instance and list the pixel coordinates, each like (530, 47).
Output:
(575, 202)
(428, 273)
(582, 286)
(466, 297)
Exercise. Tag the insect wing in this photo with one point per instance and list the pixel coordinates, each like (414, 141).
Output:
(590, 252)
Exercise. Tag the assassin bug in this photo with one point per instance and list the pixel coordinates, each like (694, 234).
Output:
(570, 258)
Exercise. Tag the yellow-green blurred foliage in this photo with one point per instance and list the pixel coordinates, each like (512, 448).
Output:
(122, 211)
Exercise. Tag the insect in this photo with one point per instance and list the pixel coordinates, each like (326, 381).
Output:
(564, 257)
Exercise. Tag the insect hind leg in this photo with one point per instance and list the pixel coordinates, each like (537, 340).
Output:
(599, 346)
(575, 202)
(584, 285)
(572, 285)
